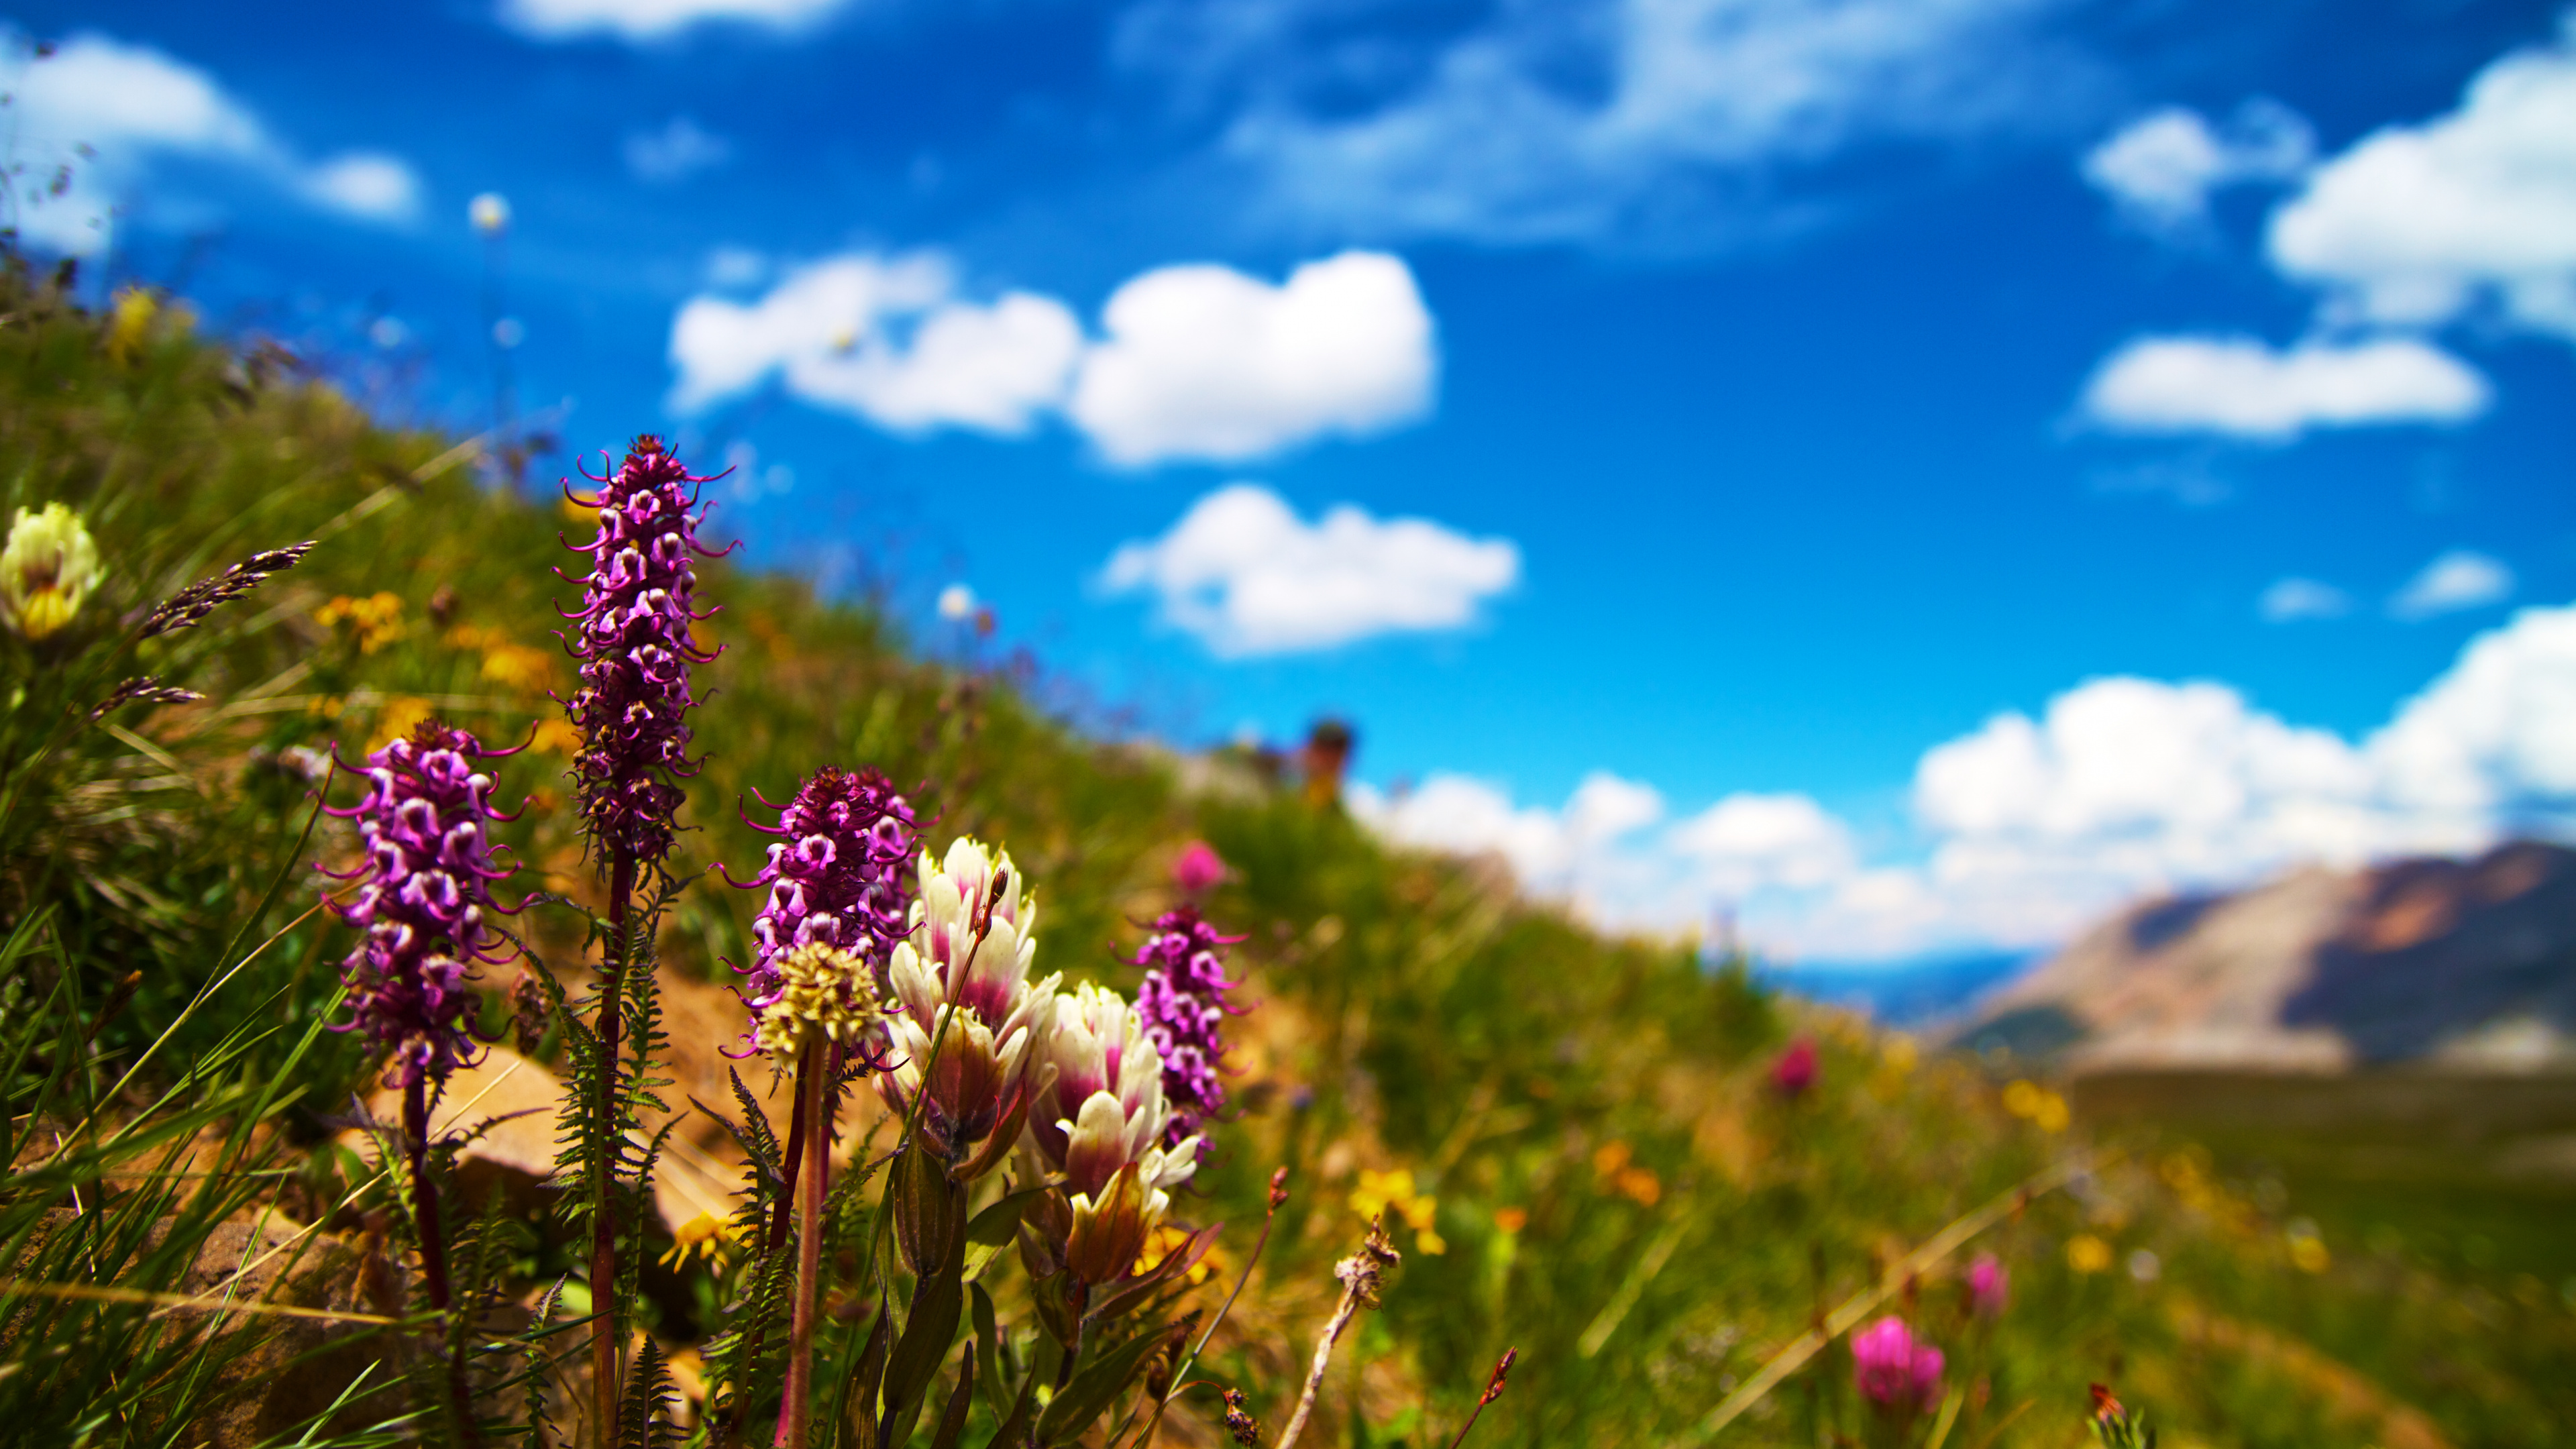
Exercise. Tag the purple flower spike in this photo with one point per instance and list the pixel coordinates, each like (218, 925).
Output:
(842, 877)
(636, 653)
(425, 905)
(1183, 1004)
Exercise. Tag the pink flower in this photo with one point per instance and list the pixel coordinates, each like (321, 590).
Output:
(1198, 868)
(1894, 1372)
(1989, 1287)
(1795, 1072)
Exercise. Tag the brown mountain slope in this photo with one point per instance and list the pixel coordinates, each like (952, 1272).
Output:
(2468, 962)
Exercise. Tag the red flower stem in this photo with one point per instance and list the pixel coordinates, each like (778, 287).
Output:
(796, 1415)
(603, 1242)
(433, 1246)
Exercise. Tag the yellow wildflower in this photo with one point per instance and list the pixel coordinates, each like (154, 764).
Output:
(557, 737)
(1166, 1240)
(377, 619)
(1382, 1192)
(48, 567)
(2086, 1253)
(398, 717)
(703, 1236)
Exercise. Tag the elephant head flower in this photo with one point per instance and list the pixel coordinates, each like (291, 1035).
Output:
(638, 602)
(836, 880)
(1182, 1002)
(426, 900)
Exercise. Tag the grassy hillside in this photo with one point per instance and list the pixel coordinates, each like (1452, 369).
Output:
(1602, 1172)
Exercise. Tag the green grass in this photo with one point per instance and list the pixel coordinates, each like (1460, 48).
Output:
(2469, 1174)
(1621, 1195)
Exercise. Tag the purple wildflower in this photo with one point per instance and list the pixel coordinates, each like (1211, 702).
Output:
(635, 651)
(1893, 1371)
(1989, 1287)
(1795, 1071)
(1198, 868)
(842, 877)
(426, 900)
(1183, 1005)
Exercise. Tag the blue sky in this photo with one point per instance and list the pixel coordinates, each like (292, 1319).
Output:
(1911, 472)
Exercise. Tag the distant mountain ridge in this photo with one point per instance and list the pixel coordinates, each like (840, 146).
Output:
(2470, 963)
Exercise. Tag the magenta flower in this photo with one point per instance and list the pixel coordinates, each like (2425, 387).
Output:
(1892, 1371)
(1182, 1002)
(841, 878)
(426, 902)
(636, 653)
(1989, 1287)
(1795, 1071)
(1198, 868)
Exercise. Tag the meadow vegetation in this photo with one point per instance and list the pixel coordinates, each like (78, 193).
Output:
(1691, 1208)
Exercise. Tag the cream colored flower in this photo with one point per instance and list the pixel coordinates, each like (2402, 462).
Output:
(966, 963)
(48, 567)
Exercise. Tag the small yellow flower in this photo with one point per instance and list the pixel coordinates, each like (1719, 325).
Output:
(1900, 1054)
(398, 718)
(377, 619)
(47, 568)
(557, 737)
(2038, 1106)
(1167, 1240)
(703, 1237)
(2052, 1115)
(2308, 1251)
(132, 318)
(2086, 1253)
(1382, 1192)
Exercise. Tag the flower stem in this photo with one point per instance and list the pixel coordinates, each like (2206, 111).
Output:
(603, 1243)
(769, 1245)
(813, 1081)
(433, 1245)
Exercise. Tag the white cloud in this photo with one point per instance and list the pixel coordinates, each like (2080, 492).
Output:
(675, 151)
(2292, 599)
(641, 20)
(1247, 576)
(131, 104)
(1653, 121)
(2414, 224)
(885, 338)
(2459, 579)
(2162, 167)
(1204, 362)
(1748, 842)
(2493, 740)
(2241, 387)
(2029, 828)
(1198, 361)
(366, 184)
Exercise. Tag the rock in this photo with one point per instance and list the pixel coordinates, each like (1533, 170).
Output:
(300, 1367)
